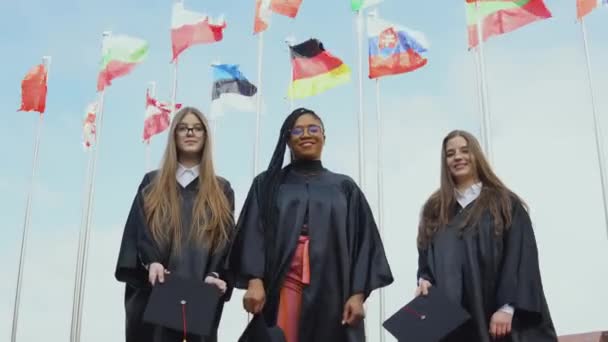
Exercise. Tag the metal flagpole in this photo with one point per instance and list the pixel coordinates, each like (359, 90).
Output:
(380, 185)
(258, 106)
(89, 213)
(361, 140)
(290, 41)
(597, 126)
(152, 92)
(46, 60)
(81, 236)
(486, 133)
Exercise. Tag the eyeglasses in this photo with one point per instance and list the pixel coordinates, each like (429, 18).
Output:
(183, 130)
(311, 129)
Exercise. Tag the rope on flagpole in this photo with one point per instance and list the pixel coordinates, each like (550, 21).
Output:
(599, 141)
(46, 60)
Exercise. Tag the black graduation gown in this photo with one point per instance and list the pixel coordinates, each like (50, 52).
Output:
(138, 248)
(346, 253)
(483, 272)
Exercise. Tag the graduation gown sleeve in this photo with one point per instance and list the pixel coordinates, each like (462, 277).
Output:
(217, 263)
(370, 267)
(247, 256)
(519, 284)
(129, 267)
(424, 270)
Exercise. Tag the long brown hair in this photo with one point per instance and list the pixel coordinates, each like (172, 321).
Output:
(495, 196)
(211, 214)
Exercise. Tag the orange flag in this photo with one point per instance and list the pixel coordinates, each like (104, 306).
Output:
(33, 90)
(286, 7)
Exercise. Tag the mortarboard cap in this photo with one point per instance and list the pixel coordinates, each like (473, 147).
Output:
(258, 331)
(185, 305)
(426, 318)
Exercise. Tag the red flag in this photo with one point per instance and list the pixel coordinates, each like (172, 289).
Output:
(33, 90)
(286, 7)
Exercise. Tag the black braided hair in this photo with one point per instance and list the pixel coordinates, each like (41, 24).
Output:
(273, 177)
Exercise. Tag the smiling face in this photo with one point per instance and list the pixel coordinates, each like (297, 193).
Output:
(307, 138)
(459, 160)
(190, 136)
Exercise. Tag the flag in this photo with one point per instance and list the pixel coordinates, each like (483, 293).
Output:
(262, 15)
(89, 129)
(120, 55)
(158, 117)
(33, 90)
(584, 7)
(287, 8)
(394, 49)
(231, 89)
(358, 5)
(502, 16)
(189, 28)
(315, 70)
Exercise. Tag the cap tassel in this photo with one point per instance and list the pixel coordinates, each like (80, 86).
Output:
(184, 319)
(410, 310)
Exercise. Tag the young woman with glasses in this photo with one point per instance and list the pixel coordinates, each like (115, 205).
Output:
(180, 223)
(307, 248)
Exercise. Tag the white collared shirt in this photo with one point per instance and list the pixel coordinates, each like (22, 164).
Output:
(185, 175)
(470, 194)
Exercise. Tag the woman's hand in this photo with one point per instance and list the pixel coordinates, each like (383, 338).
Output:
(353, 310)
(423, 287)
(500, 324)
(219, 283)
(156, 271)
(255, 297)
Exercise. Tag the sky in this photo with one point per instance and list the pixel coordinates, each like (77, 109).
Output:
(542, 137)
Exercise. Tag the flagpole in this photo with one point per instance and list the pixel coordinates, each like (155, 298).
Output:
(290, 41)
(152, 92)
(258, 105)
(81, 237)
(361, 140)
(596, 125)
(486, 133)
(88, 216)
(380, 185)
(46, 61)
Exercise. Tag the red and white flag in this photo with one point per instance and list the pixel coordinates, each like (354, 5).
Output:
(189, 28)
(158, 117)
(262, 15)
(89, 129)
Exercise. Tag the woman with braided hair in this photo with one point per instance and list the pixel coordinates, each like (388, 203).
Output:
(307, 249)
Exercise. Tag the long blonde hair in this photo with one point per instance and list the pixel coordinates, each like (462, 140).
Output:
(495, 196)
(211, 214)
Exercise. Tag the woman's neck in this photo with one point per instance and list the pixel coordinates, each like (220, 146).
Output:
(465, 184)
(189, 162)
(307, 165)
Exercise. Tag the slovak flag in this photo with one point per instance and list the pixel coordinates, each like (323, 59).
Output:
(394, 49)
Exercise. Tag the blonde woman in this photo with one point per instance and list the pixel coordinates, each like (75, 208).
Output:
(180, 223)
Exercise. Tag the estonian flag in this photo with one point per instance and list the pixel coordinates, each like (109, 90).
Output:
(231, 89)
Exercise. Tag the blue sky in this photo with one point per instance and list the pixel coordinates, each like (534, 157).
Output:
(538, 94)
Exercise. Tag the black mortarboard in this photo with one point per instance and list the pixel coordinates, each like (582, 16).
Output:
(258, 331)
(426, 318)
(185, 305)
